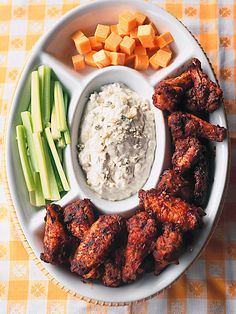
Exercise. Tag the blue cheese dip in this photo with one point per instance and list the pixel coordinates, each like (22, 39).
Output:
(116, 142)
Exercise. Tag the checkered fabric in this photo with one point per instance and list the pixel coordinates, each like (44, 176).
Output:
(209, 286)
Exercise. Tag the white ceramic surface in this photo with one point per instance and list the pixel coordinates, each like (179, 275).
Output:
(55, 49)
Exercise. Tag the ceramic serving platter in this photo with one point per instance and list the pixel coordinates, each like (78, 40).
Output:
(55, 49)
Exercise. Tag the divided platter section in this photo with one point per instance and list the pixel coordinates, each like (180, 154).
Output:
(55, 49)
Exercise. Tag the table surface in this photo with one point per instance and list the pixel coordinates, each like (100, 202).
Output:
(209, 286)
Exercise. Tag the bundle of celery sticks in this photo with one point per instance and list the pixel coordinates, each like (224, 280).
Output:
(41, 138)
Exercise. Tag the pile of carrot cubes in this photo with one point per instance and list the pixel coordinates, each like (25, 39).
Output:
(134, 41)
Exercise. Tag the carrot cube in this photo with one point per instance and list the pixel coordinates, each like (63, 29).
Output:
(101, 59)
(163, 57)
(102, 32)
(146, 33)
(127, 21)
(154, 28)
(134, 35)
(95, 45)
(114, 29)
(77, 35)
(78, 62)
(149, 44)
(127, 45)
(112, 43)
(164, 39)
(140, 18)
(121, 31)
(117, 58)
(89, 59)
(129, 59)
(154, 63)
(140, 50)
(141, 62)
(83, 45)
(167, 49)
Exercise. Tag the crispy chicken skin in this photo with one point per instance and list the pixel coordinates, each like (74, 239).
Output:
(96, 244)
(56, 241)
(176, 185)
(141, 234)
(205, 95)
(185, 124)
(112, 276)
(78, 217)
(191, 90)
(167, 247)
(186, 154)
(168, 208)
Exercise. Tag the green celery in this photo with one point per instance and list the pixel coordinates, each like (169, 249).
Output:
(36, 102)
(56, 158)
(55, 195)
(32, 198)
(67, 132)
(27, 123)
(42, 164)
(61, 143)
(39, 197)
(45, 88)
(56, 134)
(60, 107)
(59, 151)
(25, 163)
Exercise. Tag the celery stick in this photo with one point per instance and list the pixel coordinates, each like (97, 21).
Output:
(56, 134)
(39, 198)
(67, 137)
(67, 132)
(61, 143)
(27, 123)
(57, 160)
(32, 198)
(45, 88)
(60, 106)
(35, 102)
(59, 151)
(57, 177)
(21, 141)
(42, 164)
(55, 195)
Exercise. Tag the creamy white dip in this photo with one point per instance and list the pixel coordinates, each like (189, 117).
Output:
(116, 142)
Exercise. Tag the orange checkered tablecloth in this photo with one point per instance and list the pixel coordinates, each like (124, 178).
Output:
(209, 286)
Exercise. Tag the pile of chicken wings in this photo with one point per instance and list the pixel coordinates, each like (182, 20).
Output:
(116, 250)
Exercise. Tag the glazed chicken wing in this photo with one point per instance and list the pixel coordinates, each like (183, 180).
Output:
(174, 184)
(183, 125)
(141, 234)
(168, 208)
(167, 247)
(56, 241)
(96, 244)
(78, 217)
(187, 152)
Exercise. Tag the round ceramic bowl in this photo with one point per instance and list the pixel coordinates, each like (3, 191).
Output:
(55, 49)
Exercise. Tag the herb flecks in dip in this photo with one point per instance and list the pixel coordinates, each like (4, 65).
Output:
(117, 142)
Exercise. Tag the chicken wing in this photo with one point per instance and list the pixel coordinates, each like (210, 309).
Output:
(78, 217)
(56, 241)
(183, 125)
(205, 96)
(96, 244)
(167, 247)
(141, 234)
(186, 154)
(112, 276)
(168, 208)
(174, 184)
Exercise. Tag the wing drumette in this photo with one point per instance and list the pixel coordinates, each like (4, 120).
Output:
(168, 208)
(79, 217)
(96, 244)
(141, 234)
(183, 125)
(56, 241)
(167, 247)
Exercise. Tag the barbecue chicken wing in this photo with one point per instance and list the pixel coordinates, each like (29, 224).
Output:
(78, 217)
(141, 234)
(187, 152)
(168, 208)
(183, 125)
(56, 241)
(96, 244)
(167, 247)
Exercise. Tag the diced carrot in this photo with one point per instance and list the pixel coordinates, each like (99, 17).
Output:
(112, 43)
(114, 28)
(134, 35)
(89, 59)
(78, 62)
(82, 45)
(163, 57)
(164, 39)
(95, 45)
(129, 59)
(153, 62)
(140, 50)
(127, 45)
(148, 44)
(127, 21)
(140, 18)
(102, 32)
(122, 32)
(77, 35)
(117, 58)
(101, 58)
(154, 28)
(145, 33)
(141, 62)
